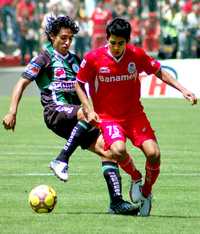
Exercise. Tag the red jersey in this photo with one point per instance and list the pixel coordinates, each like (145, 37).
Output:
(5, 3)
(25, 9)
(100, 18)
(114, 84)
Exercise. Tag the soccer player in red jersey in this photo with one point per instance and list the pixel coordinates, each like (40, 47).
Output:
(112, 73)
(99, 18)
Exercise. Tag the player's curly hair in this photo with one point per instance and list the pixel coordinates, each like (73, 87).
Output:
(54, 25)
(119, 27)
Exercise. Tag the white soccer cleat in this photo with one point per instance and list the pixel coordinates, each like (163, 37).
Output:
(135, 192)
(145, 208)
(60, 169)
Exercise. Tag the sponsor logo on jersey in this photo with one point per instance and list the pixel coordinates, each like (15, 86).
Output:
(83, 63)
(109, 79)
(66, 86)
(32, 69)
(59, 73)
(75, 67)
(67, 109)
(104, 70)
(131, 68)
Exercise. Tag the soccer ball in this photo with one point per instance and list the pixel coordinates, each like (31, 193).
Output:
(42, 199)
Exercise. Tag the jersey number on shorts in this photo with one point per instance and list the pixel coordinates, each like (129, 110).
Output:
(113, 131)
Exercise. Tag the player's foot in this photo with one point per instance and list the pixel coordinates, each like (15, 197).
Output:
(145, 207)
(135, 192)
(59, 169)
(123, 208)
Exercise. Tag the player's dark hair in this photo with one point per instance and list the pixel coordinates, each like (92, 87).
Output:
(119, 27)
(54, 25)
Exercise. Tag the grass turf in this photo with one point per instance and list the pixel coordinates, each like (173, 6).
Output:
(83, 200)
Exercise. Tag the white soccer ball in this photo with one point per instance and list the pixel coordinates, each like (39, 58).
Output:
(42, 199)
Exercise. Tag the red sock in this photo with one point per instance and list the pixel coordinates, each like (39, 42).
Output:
(128, 166)
(152, 173)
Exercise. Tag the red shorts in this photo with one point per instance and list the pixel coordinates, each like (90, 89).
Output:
(137, 129)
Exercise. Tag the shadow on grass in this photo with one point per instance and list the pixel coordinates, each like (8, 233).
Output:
(91, 213)
(106, 213)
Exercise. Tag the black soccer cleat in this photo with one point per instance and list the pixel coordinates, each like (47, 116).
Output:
(123, 208)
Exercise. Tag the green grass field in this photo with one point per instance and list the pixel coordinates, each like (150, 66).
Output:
(83, 201)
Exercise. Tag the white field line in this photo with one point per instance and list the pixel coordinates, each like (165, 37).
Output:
(57, 147)
(86, 174)
(26, 153)
(32, 146)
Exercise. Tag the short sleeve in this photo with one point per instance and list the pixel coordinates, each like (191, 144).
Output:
(34, 67)
(148, 63)
(87, 70)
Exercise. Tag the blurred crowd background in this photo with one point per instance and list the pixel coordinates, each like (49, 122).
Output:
(165, 28)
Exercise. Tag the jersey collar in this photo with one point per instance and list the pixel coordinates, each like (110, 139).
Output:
(58, 55)
(116, 59)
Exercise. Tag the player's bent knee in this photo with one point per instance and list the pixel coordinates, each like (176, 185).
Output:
(98, 149)
(118, 150)
(151, 151)
(153, 156)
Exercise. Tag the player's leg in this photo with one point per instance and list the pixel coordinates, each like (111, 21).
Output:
(77, 135)
(113, 180)
(63, 121)
(126, 163)
(152, 167)
(145, 139)
(115, 140)
(79, 138)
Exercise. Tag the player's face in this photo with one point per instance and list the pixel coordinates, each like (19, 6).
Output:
(116, 45)
(63, 40)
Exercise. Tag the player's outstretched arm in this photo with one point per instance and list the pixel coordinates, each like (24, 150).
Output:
(167, 78)
(9, 120)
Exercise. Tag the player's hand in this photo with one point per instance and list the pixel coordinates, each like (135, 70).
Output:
(93, 118)
(190, 97)
(9, 121)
